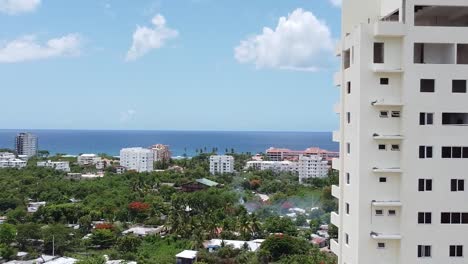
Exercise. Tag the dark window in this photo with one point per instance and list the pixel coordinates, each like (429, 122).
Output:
(465, 152)
(454, 119)
(424, 218)
(457, 185)
(426, 118)
(430, 118)
(391, 212)
(422, 118)
(424, 251)
(348, 117)
(378, 52)
(446, 152)
(427, 85)
(347, 208)
(382, 179)
(428, 185)
(424, 185)
(445, 218)
(464, 218)
(384, 81)
(459, 86)
(456, 152)
(456, 251)
(456, 218)
(348, 178)
(428, 152)
(425, 152)
(378, 212)
(348, 87)
(382, 147)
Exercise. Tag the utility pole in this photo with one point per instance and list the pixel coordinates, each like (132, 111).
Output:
(53, 245)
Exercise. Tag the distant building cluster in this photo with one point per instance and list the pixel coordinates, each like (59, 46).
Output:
(280, 154)
(309, 163)
(220, 164)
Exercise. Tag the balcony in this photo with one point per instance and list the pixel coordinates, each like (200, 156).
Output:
(336, 164)
(335, 219)
(387, 170)
(335, 247)
(384, 68)
(387, 203)
(387, 103)
(389, 29)
(336, 136)
(336, 192)
(380, 236)
(338, 49)
(387, 137)
(337, 79)
(337, 108)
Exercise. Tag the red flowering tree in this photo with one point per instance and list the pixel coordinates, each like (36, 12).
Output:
(139, 210)
(101, 226)
(138, 207)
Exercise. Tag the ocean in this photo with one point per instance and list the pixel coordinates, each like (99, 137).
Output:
(75, 142)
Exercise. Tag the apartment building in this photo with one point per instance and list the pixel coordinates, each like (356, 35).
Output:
(88, 159)
(280, 154)
(137, 159)
(26, 144)
(312, 167)
(161, 152)
(56, 165)
(403, 144)
(220, 164)
(276, 166)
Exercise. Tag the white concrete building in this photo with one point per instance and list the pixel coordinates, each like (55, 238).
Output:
(137, 159)
(312, 167)
(403, 144)
(276, 166)
(7, 156)
(12, 163)
(220, 164)
(88, 159)
(26, 144)
(57, 165)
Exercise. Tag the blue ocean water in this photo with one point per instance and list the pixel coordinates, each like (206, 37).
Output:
(111, 141)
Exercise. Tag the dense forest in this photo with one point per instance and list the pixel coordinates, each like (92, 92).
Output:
(85, 219)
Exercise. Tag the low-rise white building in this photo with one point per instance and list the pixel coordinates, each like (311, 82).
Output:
(57, 165)
(137, 159)
(276, 166)
(7, 156)
(220, 164)
(13, 163)
(312, 167)
(88, 159)
(34, 206)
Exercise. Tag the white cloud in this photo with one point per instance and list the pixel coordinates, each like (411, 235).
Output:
(299, 42)
(147, 38)
(27, 48)
(13, 7)
(127, 115)
(336, 3)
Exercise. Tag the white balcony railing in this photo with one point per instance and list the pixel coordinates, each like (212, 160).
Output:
(336, 192)
(336, 136)
(335, 247)
(387, 170)
(336, 164)
(387, 137)
(338, 49)
(335, 219)
(389, 102)
(385, 68)
(381, 236)
(389, 29)
(337, 79)
(387, 203)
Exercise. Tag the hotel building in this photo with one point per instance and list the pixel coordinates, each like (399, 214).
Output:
(220, 164)
(26, 144)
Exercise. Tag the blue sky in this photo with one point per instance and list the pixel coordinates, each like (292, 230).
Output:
(169, 64)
